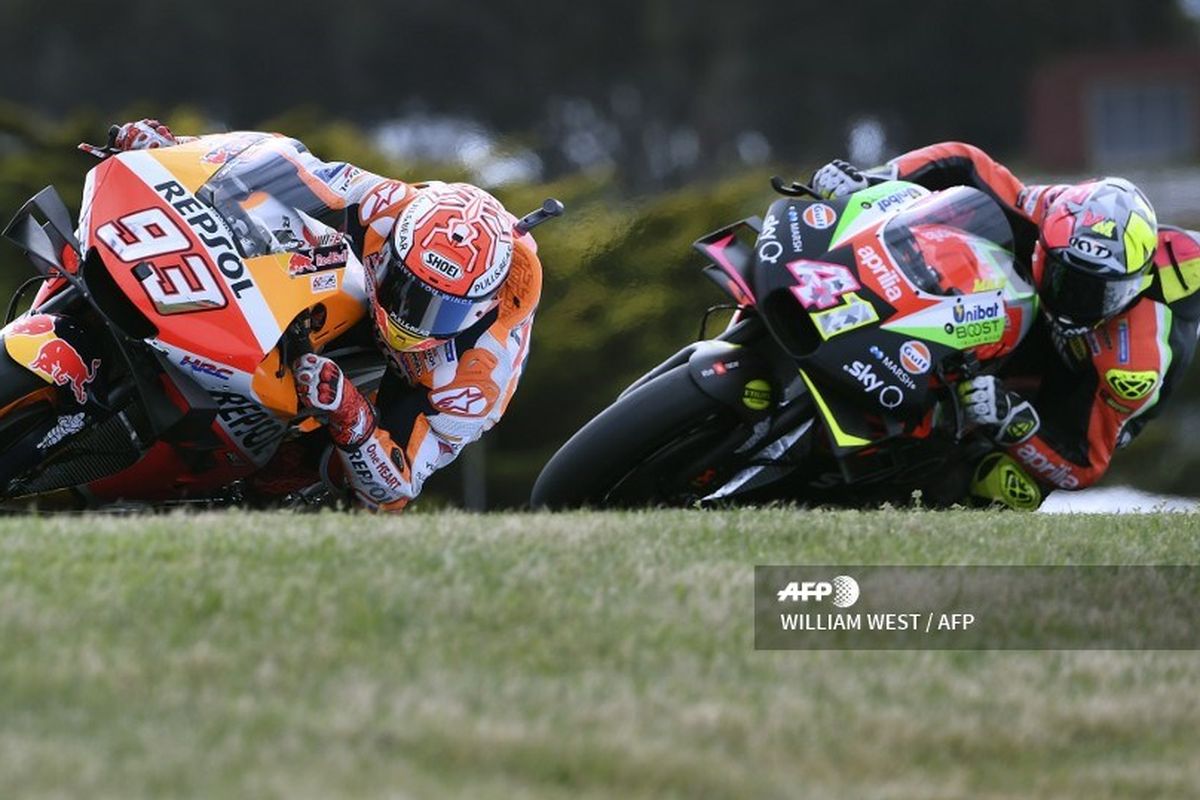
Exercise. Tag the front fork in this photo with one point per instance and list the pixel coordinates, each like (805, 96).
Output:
(773, 416)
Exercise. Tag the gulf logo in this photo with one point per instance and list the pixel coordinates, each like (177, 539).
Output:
(819, 216)
(914, 357)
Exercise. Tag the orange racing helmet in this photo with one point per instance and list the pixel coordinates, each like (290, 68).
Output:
(451, 249)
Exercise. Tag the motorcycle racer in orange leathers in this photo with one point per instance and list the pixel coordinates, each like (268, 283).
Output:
(452, 283)
(1120, 296)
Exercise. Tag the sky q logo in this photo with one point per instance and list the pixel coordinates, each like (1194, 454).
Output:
(864, 375)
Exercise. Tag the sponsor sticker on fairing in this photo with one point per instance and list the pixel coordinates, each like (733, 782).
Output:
(300, 263)
(961, 322)
(889, 281)
(891, 366)
(819, 216)
(769, 248)
(59, 362)
(915, 357)
(889, 396)
(66, 426)
(204, 367)
(253, 429)
(794, 229)
(977, 323)
(898, 198)
(323, 282)
(863, 374)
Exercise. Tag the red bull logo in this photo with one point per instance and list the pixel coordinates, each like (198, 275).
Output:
(61, 363)
(300, 263)
(222, 153)
(33, 342)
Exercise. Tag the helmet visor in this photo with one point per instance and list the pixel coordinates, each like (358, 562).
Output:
(1078, 296)
(420, 310)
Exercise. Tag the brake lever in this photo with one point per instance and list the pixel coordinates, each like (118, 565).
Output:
(793, 189)
(109, 149)
(550, 209)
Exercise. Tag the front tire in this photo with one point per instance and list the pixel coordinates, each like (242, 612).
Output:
(638, 450)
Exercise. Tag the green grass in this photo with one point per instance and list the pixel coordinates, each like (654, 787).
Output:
(551, 656)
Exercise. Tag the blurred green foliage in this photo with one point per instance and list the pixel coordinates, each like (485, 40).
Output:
(622, 287)
(629, 78)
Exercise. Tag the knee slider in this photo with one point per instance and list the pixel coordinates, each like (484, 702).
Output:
(1000, 479)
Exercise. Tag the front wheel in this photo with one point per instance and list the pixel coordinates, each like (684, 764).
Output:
(660, 444)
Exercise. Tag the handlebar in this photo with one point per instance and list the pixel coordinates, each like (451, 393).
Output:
(793, 189)
(108, 149)
(550, 209)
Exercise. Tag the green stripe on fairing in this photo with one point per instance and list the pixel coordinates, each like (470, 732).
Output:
(934, 334)
(940, 336)
(854, 208)
(841, 437)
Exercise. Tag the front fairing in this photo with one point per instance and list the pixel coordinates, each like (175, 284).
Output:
(220, 301)
(878, 294)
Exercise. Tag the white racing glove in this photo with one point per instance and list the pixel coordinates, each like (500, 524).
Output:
(837, 179)
(142, 135)
(1005, 416)
(321, 387)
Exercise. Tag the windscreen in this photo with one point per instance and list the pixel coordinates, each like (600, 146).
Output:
(264, 196)
(954, 242)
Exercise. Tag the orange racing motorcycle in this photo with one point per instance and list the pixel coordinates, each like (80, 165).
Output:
(154, 363)
(833, 382)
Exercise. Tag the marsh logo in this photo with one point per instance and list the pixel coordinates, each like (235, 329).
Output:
(842, 591)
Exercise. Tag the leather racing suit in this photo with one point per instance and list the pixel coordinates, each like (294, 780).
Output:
(432, 403)
(1117, 376)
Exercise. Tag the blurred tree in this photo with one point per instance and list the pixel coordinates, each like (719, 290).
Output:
(664, 89)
